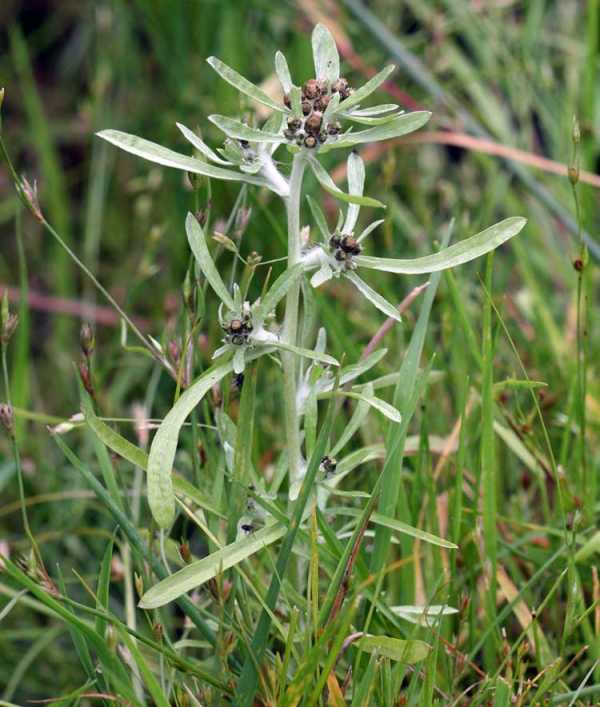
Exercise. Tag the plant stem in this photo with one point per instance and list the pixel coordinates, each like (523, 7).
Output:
(290, 322)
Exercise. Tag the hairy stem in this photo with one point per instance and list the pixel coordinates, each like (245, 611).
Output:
(290, 322)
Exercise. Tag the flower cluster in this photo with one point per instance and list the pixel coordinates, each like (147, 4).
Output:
(313, 127)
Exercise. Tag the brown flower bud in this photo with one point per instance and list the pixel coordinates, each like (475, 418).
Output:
(306, 107)
(340, 86)
(310, 141)
(313, 122)
(322, 102)
(311, 89)
(294, 123)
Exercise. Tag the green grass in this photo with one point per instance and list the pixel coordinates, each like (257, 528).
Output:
(494, 369)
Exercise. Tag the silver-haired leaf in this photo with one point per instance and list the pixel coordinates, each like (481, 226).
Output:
(375, 120)
(374, 297)
(283, 72)
(457, 254)
(325, 54)
(201, 146)
(277, 291)
(402, 125)
(243, 85)
(164, 444)
(199, 572)
(169, 158)
(377, 403)
(197, 241)
(239, 131)
(356, 186)
(329, 185)
(367, 89)
(371, 227)
(374, 110)
(319, 218)
(305, 353)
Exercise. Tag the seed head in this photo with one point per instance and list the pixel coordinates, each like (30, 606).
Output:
(7, 417)
(86, 340)
(310, 141)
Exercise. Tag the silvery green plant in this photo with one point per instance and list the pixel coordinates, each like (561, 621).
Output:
(314, 118)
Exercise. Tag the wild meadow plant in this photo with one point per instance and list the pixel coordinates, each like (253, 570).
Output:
(320, 625)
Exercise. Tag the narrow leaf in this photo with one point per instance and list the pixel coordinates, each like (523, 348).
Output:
(197, 242)
(283, 72)
(199, 572)
(239, 131)
(200, 145)
(242, 84)
(329, 185)
(305, 353)
(325, 54)
(320, 219)
(164, 444)
(374, 297)
(395, 648)
(169, 158)
(356, 186)
(384, 408)
(402, 125)
(276, 292)
(457, 254)
(368, 88)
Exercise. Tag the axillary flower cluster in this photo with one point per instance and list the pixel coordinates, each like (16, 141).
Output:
(308, 120)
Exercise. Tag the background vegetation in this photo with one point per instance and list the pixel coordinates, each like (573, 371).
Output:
(504, 80)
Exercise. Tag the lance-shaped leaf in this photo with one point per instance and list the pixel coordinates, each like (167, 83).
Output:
(164, 444)
(305, 353)
(371, 227)
(199, 572)
(276, 292)
(402, 528)
(197, 241)
(374, 297)
(377, 403)
(356, 186)
(374, 110)
(375, 120)
(319, 218)
(350, 373)
(402, 125)
(367, 89)
(283, 72)
(201, 146)
(243, 85)
(169, 158)
(329, 185)
(240, 131)
(411, 651)
(325, 54)
(457, 254)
